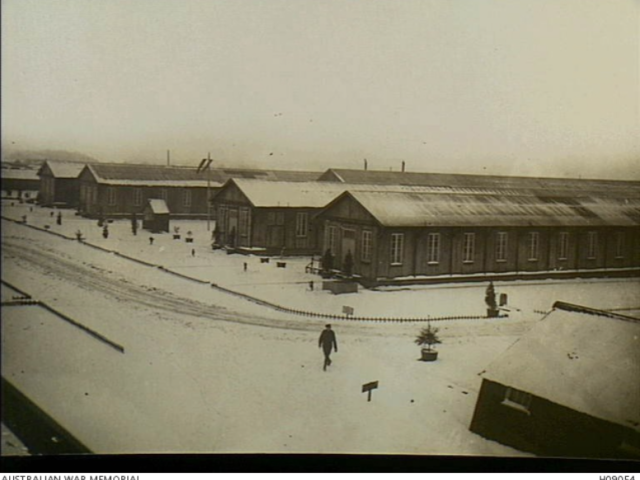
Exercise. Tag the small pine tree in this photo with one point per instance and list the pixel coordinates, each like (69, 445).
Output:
(105, 232)
(490, 300)
(100, 217)
(327, 260)
(348, 264)
(59, 218)
(428, 336)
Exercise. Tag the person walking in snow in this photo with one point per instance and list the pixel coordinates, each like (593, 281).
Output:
(327, 341)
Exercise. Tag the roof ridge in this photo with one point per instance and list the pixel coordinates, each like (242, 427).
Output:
(570, 307)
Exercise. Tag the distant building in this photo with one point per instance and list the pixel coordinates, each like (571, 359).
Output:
(20, 183)
(527, 228)
(569, 387)
(59, 183)
(270, 216)
(117, 190)
(121, 189)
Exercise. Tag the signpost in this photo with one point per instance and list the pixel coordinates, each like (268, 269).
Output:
(367, 387)
(347, 310)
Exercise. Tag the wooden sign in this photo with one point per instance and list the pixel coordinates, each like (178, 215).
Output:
(368, 387)
(347, 310)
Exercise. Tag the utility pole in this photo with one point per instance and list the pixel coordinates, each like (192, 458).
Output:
(205, 164)
(208, 191)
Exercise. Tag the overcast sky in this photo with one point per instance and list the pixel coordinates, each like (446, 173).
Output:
(522, 87)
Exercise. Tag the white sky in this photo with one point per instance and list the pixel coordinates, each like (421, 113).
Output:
(525, 87)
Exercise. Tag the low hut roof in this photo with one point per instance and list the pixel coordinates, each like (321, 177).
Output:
(584, 361)
(158, 206)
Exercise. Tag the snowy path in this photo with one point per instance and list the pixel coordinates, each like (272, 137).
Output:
(201, 373)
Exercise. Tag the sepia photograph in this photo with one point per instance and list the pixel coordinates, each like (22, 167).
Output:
(362, 227)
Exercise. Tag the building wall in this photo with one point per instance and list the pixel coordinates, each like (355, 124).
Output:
(547, 428)
(272, 229)
(119, 200)
(493, 249)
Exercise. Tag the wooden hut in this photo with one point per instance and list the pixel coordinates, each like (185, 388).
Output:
(419, 233)
(271, 216)
(568, 387)
(60, 183)
(156, 216)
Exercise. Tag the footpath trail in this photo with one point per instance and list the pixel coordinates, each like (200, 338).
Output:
(50, 258)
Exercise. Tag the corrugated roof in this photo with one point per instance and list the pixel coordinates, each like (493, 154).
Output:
(20, 174)
(63, 169)
(427, 208)
(533, 185)
(158, 206)
(156, 175)
(586, 362)
(130, 174)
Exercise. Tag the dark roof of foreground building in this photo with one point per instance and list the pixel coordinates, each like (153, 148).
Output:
(585, 359)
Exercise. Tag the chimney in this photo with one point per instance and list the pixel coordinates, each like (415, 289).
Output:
(403, 165)
(365, 164)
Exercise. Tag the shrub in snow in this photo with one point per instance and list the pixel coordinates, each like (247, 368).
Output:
(134, 223)
(490, 300)
(426, 339)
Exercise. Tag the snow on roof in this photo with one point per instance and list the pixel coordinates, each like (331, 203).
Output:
(432, 208)
(19, 174)
(158, 206)
(559, 186)
(61, 169)
(263, 193)
(181, 176)
(589, 363)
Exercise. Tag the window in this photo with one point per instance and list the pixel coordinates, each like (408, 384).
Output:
(332, 239)
(244, 221)
(164, 194)
(433, 248)
(137, 197)
(501, 246)
(111, 195)
(517, 399)
(534, 246)
(302, 224)
(279, 218)
(619, 244)
(397, 248)
(365, 251)
(563, 245)
(468, 247)
(592, 245)
(186, 199)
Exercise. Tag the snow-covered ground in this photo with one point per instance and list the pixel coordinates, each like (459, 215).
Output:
(204, 371)
(289, 286)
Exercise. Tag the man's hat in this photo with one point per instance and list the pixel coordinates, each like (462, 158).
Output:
(328, 325)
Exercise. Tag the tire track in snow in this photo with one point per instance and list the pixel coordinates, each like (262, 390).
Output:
(90, 277)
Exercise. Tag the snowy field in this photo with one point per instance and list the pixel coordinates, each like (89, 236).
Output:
(204, 371)
(289, 287)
